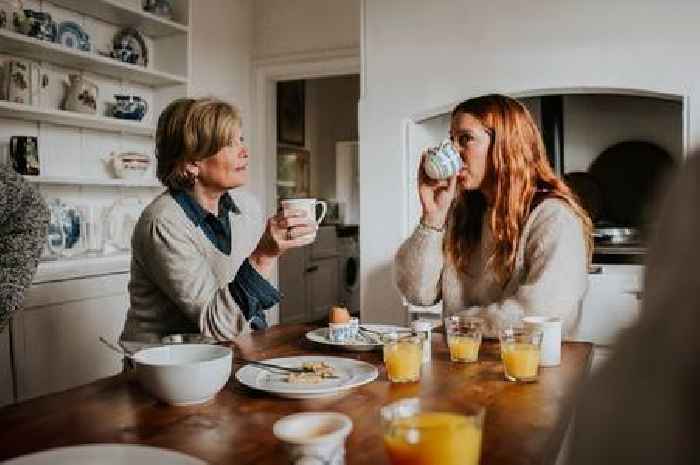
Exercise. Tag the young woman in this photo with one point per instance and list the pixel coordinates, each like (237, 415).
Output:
(504, 237)
(201, 251)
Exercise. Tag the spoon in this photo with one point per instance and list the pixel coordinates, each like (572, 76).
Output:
(381, 334)
(119, 350)
(272, 366)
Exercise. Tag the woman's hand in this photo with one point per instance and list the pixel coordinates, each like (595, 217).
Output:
(435, 197)
(286, 230)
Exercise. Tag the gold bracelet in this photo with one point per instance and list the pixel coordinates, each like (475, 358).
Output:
(432, 227)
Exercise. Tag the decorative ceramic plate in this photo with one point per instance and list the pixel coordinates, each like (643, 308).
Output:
(106, 454)
(364, 341)
(350, 373)
(135, 41)
(71, 35)
(122, 217)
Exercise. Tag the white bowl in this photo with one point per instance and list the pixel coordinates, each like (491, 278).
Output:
(184, 374)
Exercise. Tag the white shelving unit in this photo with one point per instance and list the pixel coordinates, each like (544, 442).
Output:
(83, 181)
(80, 296)
(72, 146)
(114, 12)
(94, 265)
(72, 119)
(19, 45)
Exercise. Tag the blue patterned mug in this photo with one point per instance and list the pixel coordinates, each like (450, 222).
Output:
(443, 161)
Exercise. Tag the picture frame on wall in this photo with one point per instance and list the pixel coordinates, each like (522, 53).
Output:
(293, 173)
(291, 125)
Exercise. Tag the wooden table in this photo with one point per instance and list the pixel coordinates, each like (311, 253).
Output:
(525, 424)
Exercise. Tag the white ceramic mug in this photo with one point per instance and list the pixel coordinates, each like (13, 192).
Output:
(550, 350)
(308, 206)
(314, 438)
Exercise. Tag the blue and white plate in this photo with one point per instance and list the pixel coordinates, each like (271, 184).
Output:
(71, 35)
(364, 341)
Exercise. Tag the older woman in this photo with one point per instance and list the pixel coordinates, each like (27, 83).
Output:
(201, 251)
(504, 237)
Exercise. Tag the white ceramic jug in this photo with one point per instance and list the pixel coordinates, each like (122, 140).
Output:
(81, 95)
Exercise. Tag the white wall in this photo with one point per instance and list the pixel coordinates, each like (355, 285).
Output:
(331, 117)
(222, 44)
(285, 27)
(506, 46)
(222, 41)
(593, 123)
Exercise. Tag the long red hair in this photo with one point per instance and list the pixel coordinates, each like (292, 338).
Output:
(518, 175)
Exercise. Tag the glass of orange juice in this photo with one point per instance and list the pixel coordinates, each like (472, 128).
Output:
(418, 434)
(403, 355)
(520, 351)
(464, 337)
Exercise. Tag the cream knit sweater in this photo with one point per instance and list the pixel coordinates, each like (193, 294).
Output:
(180, 280)
(550, 275)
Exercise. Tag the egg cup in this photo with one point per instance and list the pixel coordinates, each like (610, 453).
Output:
(341, 332)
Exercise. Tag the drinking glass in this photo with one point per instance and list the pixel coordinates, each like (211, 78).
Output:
(520, 351)
(403, 356)
(416, 433)
(464, 337)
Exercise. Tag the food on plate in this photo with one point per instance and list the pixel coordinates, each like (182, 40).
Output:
(313, 373)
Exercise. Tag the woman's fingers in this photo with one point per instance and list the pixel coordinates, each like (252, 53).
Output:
(292, 222)
(291, 213)
(299, 231)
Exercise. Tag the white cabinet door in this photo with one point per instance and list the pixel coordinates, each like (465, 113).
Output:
(612, 303)
(6, 378)
(55, 337)
(292, 280)
(322, 285)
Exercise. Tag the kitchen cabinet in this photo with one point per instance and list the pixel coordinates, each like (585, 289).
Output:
(309, 286)
(56, 335)
(292, 281)
(6, 377)
(612, 303)
(309, 279)
(322, 286)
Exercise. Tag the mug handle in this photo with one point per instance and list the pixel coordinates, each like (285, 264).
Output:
(324, 209)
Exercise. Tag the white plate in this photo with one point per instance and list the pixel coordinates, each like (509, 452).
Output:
(320, 335)
(351, 373)
(106, 454)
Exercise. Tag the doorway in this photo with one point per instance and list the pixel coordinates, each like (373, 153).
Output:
(317, 157)
(311, 278)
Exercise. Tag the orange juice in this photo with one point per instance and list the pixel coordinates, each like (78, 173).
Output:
(463, 348)
(434, 438)
(403, 360)
(520, 361)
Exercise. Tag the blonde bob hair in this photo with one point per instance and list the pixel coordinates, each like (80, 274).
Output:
(518, 175)
(190, 130)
